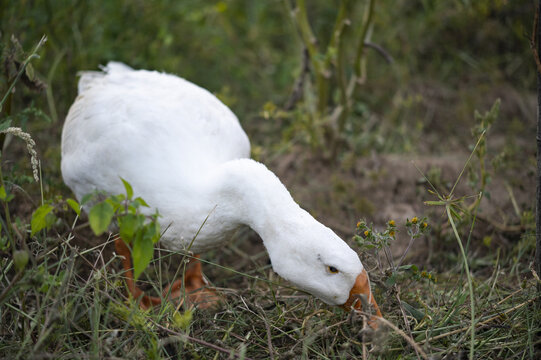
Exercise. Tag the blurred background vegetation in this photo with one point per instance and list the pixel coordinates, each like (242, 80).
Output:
(449, 58)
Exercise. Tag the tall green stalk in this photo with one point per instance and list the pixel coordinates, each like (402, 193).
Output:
(468, 276)
(33, 55)
(9, 228)
(330, 65)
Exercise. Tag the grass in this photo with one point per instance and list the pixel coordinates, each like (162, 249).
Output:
(74, 306)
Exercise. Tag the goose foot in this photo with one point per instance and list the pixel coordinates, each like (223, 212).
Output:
(195, 287)
(194, 284)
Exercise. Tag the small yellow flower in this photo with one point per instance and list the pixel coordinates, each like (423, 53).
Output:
(392, 223)
(359, 224)
(414, 220)
(391, 233)
(366, 232)
(424, 225)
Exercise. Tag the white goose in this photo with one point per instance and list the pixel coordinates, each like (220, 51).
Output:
(185, 153)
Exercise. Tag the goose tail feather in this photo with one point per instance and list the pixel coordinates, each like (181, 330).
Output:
(88, 78)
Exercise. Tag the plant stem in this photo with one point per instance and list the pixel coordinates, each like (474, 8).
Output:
(360, 47)
(21, 70)
(468, 276)
(537, 34)
(341, 112)
(9, 226)
(340, 69)
(6, 291)
(321, 68)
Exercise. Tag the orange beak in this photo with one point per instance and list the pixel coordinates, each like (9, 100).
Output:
(362, 287)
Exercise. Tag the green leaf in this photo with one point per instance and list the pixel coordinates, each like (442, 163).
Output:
(455, 213)
(117, 198)
(4, 243)
(129, 189)
(39, 220)
(20, 258)
(434, 202)
(3, 194)
(416, 313)
(391, 280)
(128, 225)
(75, 206)
(182, 320)
(100, 217)
(87, 198)
(142, 253)
(5, 124)
(116, 202)
(153, 231)
(139, 201)
(406, 267)
(29, 70)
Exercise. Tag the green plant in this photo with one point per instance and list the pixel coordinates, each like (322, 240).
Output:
(368, 238)
(16, 66)
(479, 176)
(338, 71)
(139, 230)
(453, 209)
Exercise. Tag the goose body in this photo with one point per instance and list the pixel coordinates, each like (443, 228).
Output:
(185, 153)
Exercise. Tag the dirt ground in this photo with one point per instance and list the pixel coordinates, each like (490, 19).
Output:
(384, 187)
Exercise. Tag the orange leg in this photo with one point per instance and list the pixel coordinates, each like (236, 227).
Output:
(146, 301)
(194, 287)
(194, 283)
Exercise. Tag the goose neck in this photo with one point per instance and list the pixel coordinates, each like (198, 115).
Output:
(257, 196)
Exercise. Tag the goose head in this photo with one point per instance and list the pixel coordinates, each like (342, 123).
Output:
(319, 262)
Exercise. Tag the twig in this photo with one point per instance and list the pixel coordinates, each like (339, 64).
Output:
(466, 164)
(380, 50)
(481, 323)
(513, 199)
(533, 41)
(198, 341)
(269, 334)
(503, 227)
(74, 249)
(269, 339)
(360, 48)
(405, 336)
(310, 41)
(296, 94)
(509, 296)
(412, 240)
(389, 257)
(16, 278)
(406, 322)
(365, 326)
(534, 273)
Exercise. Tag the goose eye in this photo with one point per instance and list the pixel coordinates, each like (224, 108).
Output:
(332, 269)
